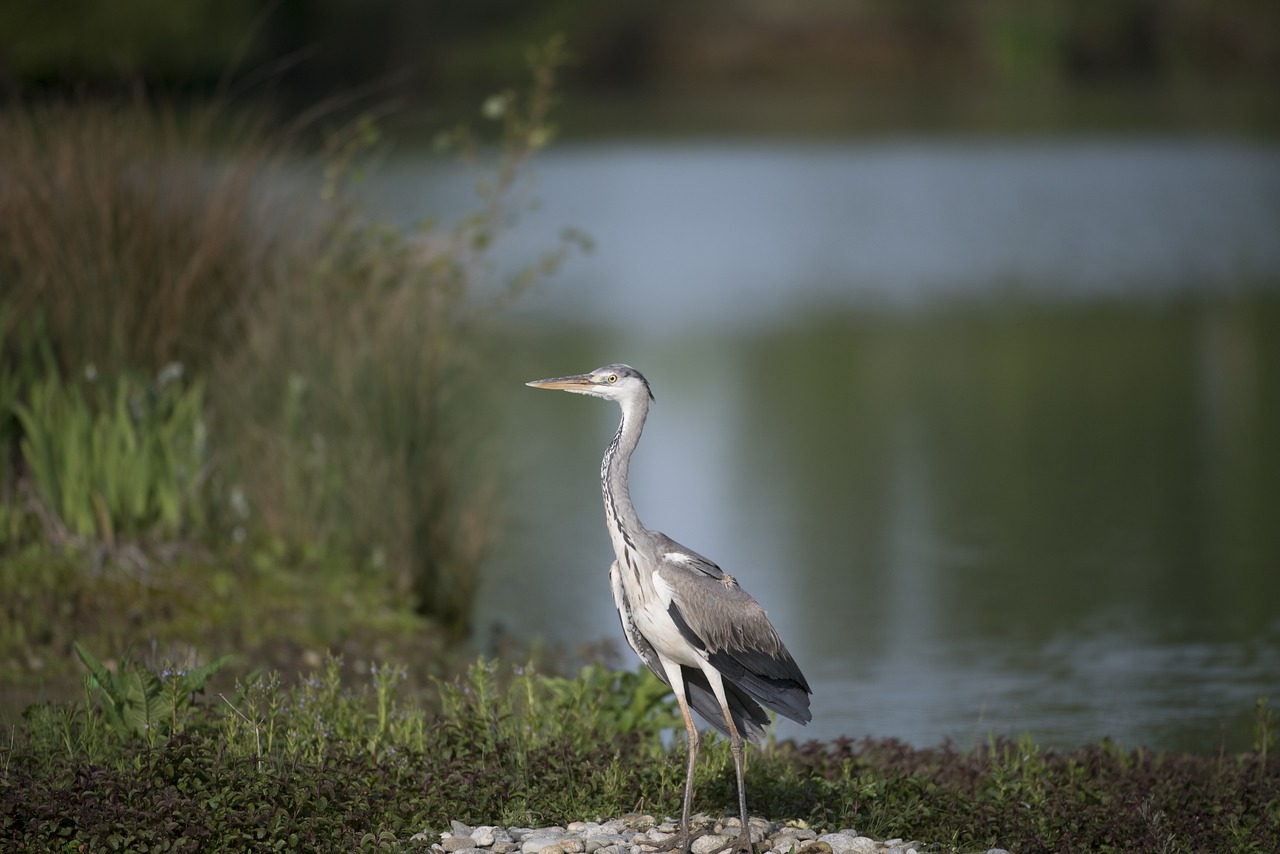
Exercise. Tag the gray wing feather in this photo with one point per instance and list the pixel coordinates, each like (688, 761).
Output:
(692, 561)
(716, 615)
(749, 718)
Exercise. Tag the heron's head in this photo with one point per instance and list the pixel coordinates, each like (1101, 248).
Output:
(612, 382)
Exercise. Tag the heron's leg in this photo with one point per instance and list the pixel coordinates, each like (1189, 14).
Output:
(738, 749)
(682, 840)
(692, 738)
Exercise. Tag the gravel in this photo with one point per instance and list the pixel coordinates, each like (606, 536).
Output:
(642, 834)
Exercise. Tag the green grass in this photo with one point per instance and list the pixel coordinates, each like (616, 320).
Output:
(120, 459)
(331, 763)
(275, 606)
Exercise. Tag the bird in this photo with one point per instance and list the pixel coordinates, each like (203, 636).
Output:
(688, 620)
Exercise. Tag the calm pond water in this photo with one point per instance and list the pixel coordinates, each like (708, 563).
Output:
(992, 429)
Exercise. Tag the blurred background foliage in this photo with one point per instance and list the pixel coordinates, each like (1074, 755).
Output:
(218, 367)
(913, 61)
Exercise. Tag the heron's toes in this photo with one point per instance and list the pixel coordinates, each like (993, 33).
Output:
(740, 843)
(679, 842)
(688, 843)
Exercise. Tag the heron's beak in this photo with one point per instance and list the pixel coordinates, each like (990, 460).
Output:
(580, 384)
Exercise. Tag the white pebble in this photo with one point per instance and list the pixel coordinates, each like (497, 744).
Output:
(707, 844)
(847, 843)
(840, 843)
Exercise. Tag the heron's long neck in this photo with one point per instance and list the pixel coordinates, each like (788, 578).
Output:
(620, 514)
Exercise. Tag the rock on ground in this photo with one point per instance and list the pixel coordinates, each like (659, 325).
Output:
(643, 834)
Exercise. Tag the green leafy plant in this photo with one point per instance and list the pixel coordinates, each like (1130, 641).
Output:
(140, 703)
(122, 458)
(622, 701)
(303, 722)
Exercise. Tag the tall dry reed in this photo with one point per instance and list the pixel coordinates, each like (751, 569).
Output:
(136, 232)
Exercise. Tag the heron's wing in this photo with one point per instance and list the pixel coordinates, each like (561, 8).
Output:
(686, 557)
(747, 714)
(717, 616)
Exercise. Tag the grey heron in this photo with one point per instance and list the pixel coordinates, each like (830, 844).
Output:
(687, 619)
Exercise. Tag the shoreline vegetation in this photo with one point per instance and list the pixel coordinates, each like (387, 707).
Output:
(237, 421)
(324, 763)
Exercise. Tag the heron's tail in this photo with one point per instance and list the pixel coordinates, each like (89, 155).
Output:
(748, 717)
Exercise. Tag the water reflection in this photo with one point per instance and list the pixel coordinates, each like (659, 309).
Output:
(993, 430)
(1027, 513)
(1054, 520)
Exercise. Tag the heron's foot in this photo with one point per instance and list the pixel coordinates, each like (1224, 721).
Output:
(741, 843)
(678, 842)
(683, 842)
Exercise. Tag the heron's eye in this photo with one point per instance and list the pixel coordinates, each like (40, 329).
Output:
(613, 378)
